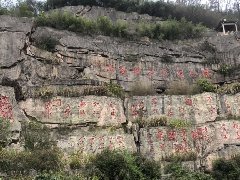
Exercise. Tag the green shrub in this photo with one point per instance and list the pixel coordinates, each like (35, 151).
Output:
(120, 29)
(205, 85)
(59, 176)
(115, 90)
(122, 165)
(194, 13)
(178, 123)
(104, 25)
(170, 29)
(12, 162)
(16, 163)
(176, 171)
(150, 168)
(4, 11)
(145, 29)
(47, 43)
(45, 160)
(188, 156)
(23, 9)
(227, 169)
(78, 160)
(225, 69)
(5, 132)
(36, 136)
(153, 122)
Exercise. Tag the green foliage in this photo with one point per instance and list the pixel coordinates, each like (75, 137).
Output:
(36, 136)
(4, 11)
(13, 162)
(24, 9)
(153, 122)
(40, 152)
(47, 43)
(115, 90)
(45, 160)
(178, 172)
(16, 163)
(149, 168)
(122, 165)
(168, 30)
(173, 29)
(205, 85)
(4, 132)
(225, 69)
(104, 25)
(188, 156)
(162, 121)
(178, 123)
(47, 92)
(59, 176)
(78, 160)
(195, 14)
(120, 29)
(227, 169)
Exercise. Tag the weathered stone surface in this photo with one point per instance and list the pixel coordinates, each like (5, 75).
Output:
(11, 73)
(37, 73)
(15, 24)
(66, 90)
(13, 33)
(207, 139)
(197, 109)
(94, 142)
(104, 111)
(104, 59)
(92, 60)
(227, 152)
(9, 110)
(11, 46)
(230, 105)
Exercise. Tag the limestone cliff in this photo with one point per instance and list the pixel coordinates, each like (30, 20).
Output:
(75, 71)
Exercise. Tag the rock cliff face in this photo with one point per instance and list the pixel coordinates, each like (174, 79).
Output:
(80, 65)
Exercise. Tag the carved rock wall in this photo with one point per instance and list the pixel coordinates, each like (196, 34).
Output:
(80, 61)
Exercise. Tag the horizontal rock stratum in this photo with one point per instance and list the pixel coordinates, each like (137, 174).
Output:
(66, 87)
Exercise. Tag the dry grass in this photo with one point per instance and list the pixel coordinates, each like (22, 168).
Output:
(181, 88)
(141, 88)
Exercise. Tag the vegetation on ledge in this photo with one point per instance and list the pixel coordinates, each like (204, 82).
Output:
(165, 30)
(191, 10)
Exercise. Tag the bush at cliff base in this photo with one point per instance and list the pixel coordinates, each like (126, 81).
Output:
(227, 169)
(122, 165)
